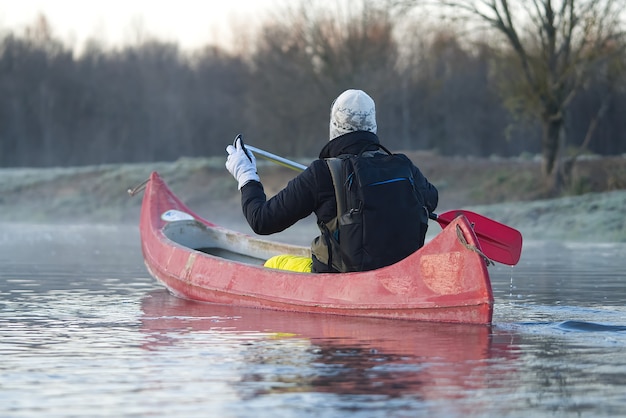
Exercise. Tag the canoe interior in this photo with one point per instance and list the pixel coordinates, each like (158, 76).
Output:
(227, 244)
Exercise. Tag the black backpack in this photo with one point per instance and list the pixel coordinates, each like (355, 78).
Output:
(381, 216)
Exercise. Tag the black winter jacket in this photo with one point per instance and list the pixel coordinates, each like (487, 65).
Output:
(312, 191)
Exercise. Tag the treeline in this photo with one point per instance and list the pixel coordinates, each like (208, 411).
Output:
(154, 102)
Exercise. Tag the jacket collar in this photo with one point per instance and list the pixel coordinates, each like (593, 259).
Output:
(350, 143)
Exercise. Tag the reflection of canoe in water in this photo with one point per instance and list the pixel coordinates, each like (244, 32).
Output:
(445, 281)
(164, 313)
(347, 354)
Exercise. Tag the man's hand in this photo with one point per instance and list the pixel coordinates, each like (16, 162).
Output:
(241, 163)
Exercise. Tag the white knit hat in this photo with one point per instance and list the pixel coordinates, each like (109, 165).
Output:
(352, 111)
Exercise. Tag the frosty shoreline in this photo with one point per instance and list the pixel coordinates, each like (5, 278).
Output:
(98, 194)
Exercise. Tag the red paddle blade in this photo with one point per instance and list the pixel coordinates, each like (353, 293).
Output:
(499, 242)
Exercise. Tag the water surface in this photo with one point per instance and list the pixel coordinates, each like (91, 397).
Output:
(85, 331)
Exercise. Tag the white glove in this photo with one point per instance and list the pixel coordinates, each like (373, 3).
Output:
(241, 164)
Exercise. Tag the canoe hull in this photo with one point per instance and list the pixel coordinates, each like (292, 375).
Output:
(445, 281)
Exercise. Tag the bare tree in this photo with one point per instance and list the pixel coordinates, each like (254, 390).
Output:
(557, 47)
(451, 104)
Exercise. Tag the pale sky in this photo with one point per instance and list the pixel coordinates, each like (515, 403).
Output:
(190, 23)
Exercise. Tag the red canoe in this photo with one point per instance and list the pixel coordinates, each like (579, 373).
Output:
(445, 281)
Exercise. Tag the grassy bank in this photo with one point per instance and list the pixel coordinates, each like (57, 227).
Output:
(506, 190)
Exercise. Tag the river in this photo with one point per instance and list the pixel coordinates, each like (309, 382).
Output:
(85, 331)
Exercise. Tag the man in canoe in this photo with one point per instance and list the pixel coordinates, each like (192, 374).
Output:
(383, 198)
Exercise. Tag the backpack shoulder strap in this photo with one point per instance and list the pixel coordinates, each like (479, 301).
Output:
(335, 165)
(336, 256)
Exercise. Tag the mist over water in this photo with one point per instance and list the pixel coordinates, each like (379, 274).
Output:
(85, 331)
